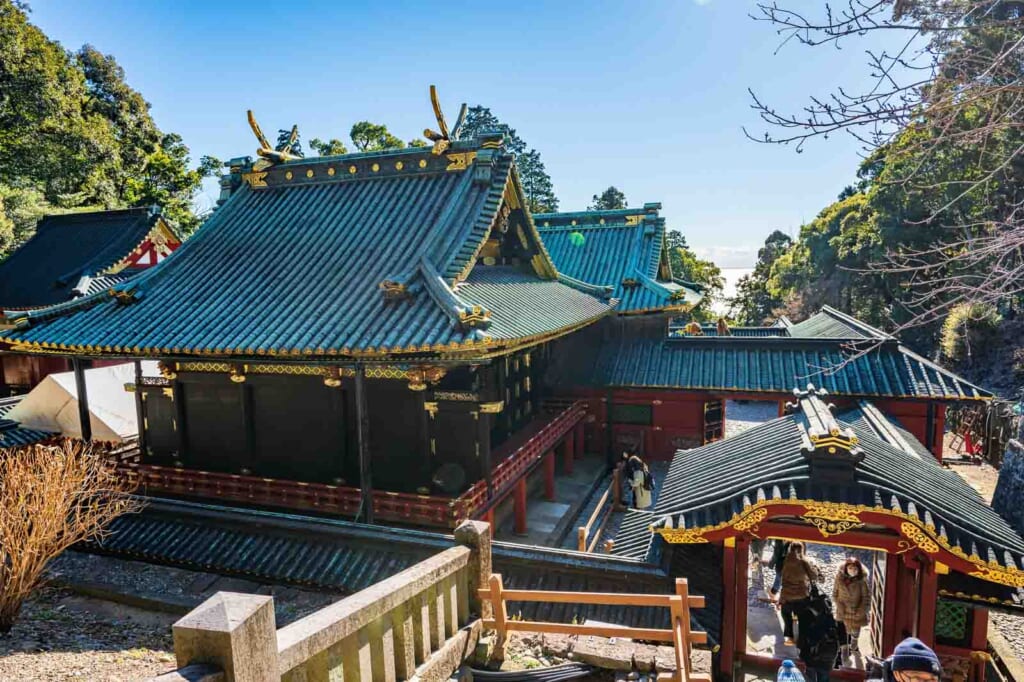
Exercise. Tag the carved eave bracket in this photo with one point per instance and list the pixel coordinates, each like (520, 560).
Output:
(420, 377)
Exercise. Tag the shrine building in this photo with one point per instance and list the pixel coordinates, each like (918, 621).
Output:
(71, 256)
(939, 557)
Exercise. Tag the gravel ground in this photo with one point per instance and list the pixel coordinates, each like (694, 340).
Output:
(63, 636)
(982, 478)
(740, 415)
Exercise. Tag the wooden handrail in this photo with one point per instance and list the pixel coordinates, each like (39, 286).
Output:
(679, 605)
(600, 598)
(586, 541)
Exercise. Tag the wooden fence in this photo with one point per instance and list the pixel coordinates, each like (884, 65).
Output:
(679, 605)
(588, 534)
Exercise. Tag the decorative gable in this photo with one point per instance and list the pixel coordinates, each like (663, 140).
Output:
(159, 242)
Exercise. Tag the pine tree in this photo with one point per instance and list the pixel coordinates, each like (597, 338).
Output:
(610, 199)
(537, 184)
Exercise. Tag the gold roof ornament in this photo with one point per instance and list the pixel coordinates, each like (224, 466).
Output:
(443, 140)
(271, 155)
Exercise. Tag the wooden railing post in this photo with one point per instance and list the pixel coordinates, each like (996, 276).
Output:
(236, 632)
(581, 539)
(477, 536)
(681, 628)
(617, 487)
(500, 615)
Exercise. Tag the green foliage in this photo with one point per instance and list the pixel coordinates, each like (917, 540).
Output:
(373, 137)
(754, 304)
(969, 328)
(610, 199)
(687, 266)
(332, 147)
(74, 135)
(285, 142)
(418, 142)
(537, 185)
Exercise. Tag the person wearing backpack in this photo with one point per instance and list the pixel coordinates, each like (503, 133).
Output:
(631, 465)
(643, 487)
(819, 635)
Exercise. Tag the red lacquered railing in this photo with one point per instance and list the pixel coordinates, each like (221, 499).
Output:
(517, 458)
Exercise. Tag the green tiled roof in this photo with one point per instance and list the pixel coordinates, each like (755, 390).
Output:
(50, 266)
(830, 323)
(709, 484)
(623, 249)
(362, 254)
(647, 358)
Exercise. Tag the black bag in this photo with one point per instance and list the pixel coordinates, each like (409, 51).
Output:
(819, 632)
(648, 481)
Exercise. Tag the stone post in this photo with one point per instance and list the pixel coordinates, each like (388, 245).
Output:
(477, 536)
(234, 631)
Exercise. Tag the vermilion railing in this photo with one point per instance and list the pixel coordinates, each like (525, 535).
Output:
(423, 510)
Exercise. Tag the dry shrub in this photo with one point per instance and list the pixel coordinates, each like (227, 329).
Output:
(51, 496)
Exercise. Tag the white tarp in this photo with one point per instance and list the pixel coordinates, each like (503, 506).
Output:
(53, 404)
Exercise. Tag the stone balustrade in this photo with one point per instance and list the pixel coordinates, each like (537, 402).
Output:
(419, 624)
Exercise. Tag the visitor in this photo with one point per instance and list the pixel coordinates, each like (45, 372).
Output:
(643, 487)
(851, 597)
(631, 463)
(756, 560)
(819, 638)
(798, 574)
(779, 550)
(911, 661)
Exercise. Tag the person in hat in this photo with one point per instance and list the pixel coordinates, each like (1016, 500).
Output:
(911, 661)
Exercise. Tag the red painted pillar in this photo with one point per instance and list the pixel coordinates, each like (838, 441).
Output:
(519, 506)
(979, 641)
(549, 476)
(489, 518)
(890, 609)
(728, 651)
(940, 433)
(742, 563)
(928, 595)
(569, 452)
(578, 440)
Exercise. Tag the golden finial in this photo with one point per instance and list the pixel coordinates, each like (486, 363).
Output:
(443, 139)
(270, 154)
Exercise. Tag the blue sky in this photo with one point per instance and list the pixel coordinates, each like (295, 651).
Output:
(648, 96)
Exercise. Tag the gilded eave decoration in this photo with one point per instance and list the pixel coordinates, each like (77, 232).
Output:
(833, 519)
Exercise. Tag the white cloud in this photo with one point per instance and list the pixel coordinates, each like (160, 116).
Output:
(729, 256)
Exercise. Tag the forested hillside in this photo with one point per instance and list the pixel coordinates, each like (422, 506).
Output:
(74, 136)
(929, 239)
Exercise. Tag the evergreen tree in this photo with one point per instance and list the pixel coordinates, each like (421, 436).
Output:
(373, 137)
(686, 265)
(332, 147)
(610, 199)
(753, 304)
(537, 184)
(75, 135)
(285, 143)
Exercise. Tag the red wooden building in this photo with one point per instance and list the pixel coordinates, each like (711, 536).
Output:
(942, 556)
